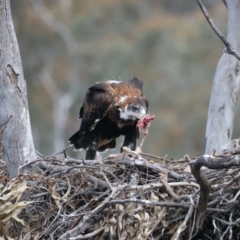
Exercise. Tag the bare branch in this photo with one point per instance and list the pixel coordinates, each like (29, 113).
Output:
(184, 223)
(89, 235)
(229, 49)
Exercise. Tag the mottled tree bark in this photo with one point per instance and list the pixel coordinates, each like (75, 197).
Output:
(225, 88)
(17, 136)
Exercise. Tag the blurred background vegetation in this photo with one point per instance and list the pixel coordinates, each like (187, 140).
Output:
(68, 45)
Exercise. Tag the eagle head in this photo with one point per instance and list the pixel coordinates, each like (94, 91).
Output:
(134, 109)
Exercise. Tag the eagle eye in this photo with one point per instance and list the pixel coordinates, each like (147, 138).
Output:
(134, 108)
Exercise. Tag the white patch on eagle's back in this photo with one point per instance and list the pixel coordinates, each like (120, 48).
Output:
(113, 81)
(123, 98)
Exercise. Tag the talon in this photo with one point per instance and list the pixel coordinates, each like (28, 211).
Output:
(126, 149)
(138, 150)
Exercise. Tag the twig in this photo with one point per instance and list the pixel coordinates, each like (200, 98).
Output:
(110, 185)
(229, 48)
(204, 190)
(235, 198)
(151, 155)
(51, 226)
(227, 184)
(160, 217)
(147, 202)
(80, 228)
(230, 227)
(223, 235)
(215, 226)
(163, 178)
(89, 235)
(184, 223)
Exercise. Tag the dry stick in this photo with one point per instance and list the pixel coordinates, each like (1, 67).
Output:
(78, 229)
(212, 163)
(107, 202)
(223, 210)
(222, 221)
(147, 202)
(160, 217)
(230, 227)
(191, 227)
(184, 223)
(163, 178)
(88, 177)
(156, 185)
(50, 227)
(229, 48)
(106, 179)
(234, 199)
(217, 187)
(214, 225)
(34, 161)
(204, 192)
(89, 235)
(152, 156)
(222, 237)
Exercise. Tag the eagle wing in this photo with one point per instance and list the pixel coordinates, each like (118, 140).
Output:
(97, 102)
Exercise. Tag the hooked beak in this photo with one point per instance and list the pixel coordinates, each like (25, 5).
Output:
(142, 112)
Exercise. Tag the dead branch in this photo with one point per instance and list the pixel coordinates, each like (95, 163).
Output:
(183, 225)
(204, 190)
(229, 49)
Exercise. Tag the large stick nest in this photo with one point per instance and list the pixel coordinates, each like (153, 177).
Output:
(127, 196)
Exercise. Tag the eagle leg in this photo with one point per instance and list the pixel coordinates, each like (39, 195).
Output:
(130, 140)
(91, 151)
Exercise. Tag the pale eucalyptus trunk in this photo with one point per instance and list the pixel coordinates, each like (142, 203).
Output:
(225, 88)
(17, 136)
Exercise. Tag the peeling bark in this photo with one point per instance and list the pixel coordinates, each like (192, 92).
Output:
(17, 136)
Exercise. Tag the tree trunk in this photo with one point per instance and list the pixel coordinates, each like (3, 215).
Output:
(225, 88)
(17, 136)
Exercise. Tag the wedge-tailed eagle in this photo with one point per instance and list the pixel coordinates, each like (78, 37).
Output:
(110, 109)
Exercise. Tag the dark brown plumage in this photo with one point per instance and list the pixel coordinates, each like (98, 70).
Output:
(110, 109)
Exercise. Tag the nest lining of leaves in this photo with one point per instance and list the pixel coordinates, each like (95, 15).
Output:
(127, 196)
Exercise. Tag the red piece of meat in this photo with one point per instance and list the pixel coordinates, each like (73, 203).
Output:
(144, 123)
